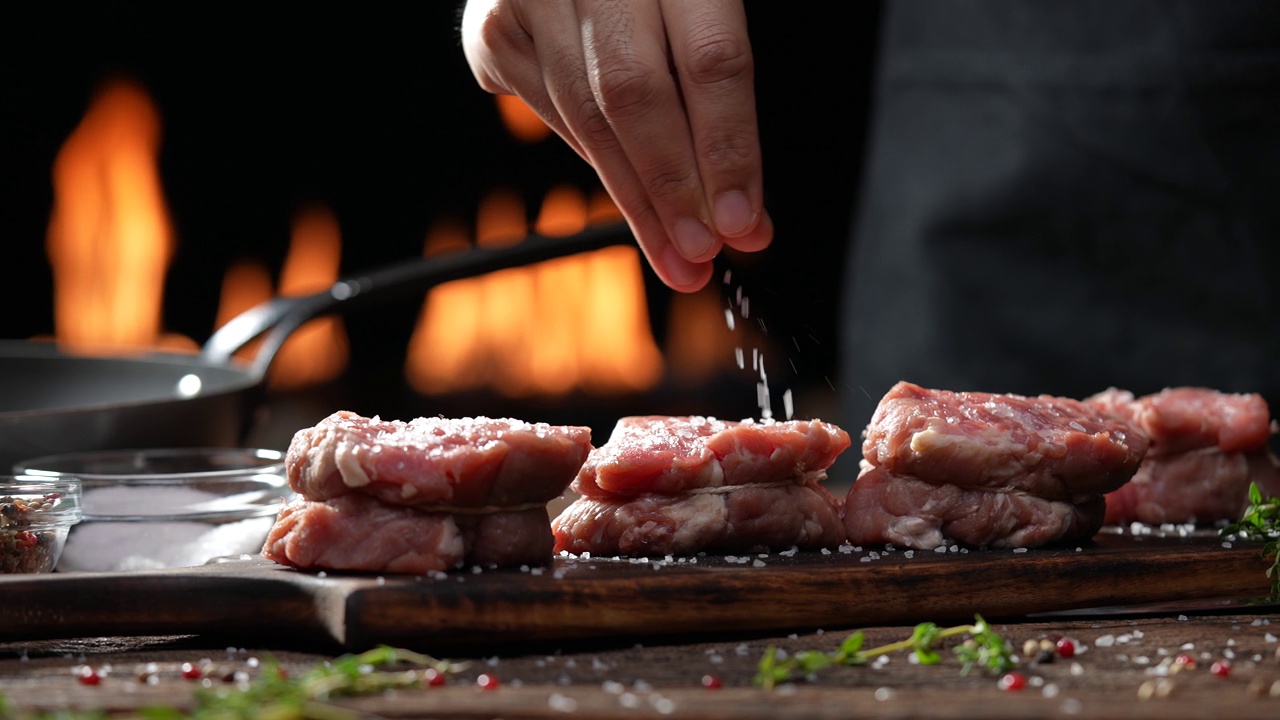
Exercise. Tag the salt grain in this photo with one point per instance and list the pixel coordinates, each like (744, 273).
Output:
(883, 694)
(629, 700)
(562, 703)
(1269, 638)
(1019, 550)
(1105, 641)
(909, 554)
(728, 318)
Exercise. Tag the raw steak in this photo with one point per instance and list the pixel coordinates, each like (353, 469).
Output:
(746, 519)
(883, 508)
(1206, 447)
(659, 454)
(357, 532)
(1050, 447)
(1199, 486)
(467, 462)
(1186, 418)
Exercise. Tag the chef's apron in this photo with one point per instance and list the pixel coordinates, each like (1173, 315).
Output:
(1065, 196)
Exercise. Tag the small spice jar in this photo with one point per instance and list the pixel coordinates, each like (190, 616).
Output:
(35, 515)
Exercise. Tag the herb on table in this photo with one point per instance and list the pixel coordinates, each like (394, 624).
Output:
(984, 649)
(1261, 521)
(276, 696)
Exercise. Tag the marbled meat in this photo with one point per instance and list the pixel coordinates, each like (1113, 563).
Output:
(662, 454)
(359, 533)
(1050, 447)
(883, 508)
(681, 485)
(747, 519)
(983, 469)
(466, 462)
(1206, 448)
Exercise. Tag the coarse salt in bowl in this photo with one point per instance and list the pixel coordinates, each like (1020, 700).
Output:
(35, 516)
(148, 509)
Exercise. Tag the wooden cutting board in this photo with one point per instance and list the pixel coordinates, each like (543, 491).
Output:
(577, 598)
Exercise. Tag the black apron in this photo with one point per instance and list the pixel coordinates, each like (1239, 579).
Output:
(1065, 196)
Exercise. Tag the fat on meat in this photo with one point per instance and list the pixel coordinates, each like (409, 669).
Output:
(359, 533)
(746, 519)
(663, 454)
(884, 508)
(1049, 447)
(1189, 418)
(462, 462)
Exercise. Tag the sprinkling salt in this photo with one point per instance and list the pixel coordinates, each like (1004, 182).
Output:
(746, 308)
(728, 318)
(739, 295)
(737, 358)
(787, 403)
(728, 275)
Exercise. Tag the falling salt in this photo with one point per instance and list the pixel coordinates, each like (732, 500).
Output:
(737, 356)
(728, 275)
(787, 403)
(738, 295)
(746, 308)
(728, 318)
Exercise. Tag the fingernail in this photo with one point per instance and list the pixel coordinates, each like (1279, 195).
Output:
(679, 270)
(692, 238)
(733, 213)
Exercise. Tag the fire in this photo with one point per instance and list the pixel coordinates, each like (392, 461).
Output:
(520, 119)
(317, 351)
(579, 322)
(109, 238)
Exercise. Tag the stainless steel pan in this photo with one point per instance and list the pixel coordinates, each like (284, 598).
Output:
(53, 402)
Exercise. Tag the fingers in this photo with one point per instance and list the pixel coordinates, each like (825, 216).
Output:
(657, 96)
(712, 56)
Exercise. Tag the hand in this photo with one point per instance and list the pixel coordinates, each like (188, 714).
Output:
(658, 96)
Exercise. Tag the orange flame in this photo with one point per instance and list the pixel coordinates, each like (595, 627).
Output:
(579, 322)
(246, 284)
(109, 238)
(317, 351)
(699, 343)
(520, 119)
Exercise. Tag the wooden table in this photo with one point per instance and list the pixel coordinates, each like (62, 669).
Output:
(1124, 667)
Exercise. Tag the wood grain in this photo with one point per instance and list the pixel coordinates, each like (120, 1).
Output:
(578, 598)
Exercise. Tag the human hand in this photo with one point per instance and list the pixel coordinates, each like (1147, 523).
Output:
(658, 96)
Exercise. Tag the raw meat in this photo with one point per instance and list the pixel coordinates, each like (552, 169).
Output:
(427, 462)
(1049, 447)
(1206, 447)
(1186, 418)
(883, 508)
(659, 454)
(680, 485)
(746, 519)
(1199, 486)
(357, 532)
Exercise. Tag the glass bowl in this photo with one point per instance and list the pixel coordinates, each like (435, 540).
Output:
(148, 509)
(35, 515)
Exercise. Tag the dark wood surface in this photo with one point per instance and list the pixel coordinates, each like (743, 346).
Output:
(1116, 674)
(609, 598)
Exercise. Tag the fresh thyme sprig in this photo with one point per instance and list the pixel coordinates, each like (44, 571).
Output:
(984, 648)
(273, 695)
(1261, 521)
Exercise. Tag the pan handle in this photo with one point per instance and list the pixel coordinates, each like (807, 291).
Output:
(281, 316)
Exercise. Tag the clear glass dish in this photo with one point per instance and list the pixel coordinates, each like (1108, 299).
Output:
(147, 509)
(36, 514)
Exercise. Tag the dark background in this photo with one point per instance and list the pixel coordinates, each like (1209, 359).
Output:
(374, 114)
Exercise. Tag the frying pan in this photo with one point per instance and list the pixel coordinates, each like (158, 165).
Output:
(54, 402)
